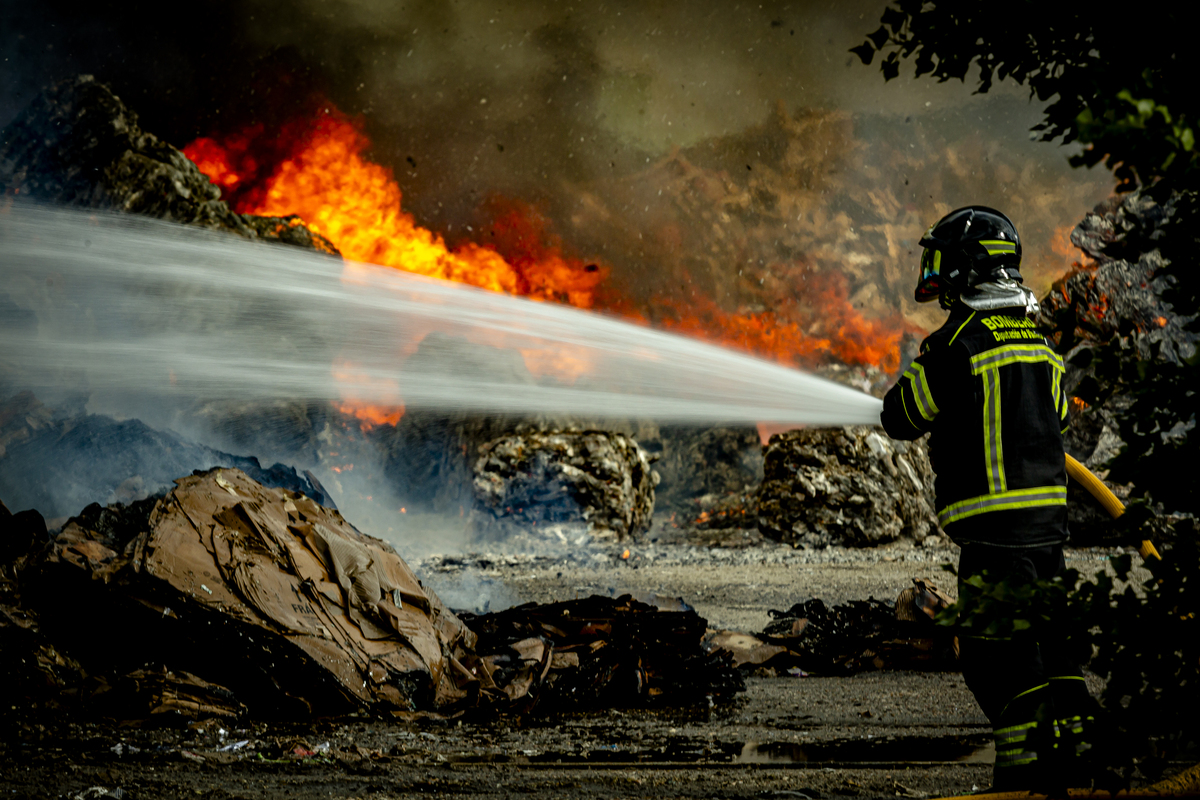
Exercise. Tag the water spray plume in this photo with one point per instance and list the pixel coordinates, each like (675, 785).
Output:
(129, 304)
(317, 166)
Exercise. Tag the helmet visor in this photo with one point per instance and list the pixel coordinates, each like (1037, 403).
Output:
(931, 283)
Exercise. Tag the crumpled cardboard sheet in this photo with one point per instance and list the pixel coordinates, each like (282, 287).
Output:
(274, 563)
(746, 650)
(147, 693)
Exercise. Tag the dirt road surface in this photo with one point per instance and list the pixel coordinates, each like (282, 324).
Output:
(875, 734)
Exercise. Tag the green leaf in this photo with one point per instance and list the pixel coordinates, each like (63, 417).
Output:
(890, 66)
(865, 52)
(893, 18)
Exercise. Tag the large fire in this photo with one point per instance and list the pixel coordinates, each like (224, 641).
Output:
(319, 170)
(327, 180)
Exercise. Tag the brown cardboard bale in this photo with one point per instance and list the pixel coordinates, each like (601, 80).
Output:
(847, 486)
(259, 590)
(595, 478)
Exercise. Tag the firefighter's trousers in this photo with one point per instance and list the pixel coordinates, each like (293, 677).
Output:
(1032, 694)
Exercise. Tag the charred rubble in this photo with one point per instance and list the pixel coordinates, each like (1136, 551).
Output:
(811, 637)
(602, 652)
(1113, 302)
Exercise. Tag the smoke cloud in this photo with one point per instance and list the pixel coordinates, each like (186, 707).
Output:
(469, 97)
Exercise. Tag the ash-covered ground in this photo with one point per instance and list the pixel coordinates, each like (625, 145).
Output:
(871, 734)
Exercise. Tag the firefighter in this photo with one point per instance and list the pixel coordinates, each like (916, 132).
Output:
(987, 387)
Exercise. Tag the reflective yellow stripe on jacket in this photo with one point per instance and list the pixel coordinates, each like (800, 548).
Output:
(1003, 501)
(999, 498)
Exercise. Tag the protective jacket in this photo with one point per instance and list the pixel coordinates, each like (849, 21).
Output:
(988, 389)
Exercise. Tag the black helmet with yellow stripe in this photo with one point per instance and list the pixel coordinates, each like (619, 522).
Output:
(965, 248)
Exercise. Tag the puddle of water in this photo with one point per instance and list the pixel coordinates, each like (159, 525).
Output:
(976, 748)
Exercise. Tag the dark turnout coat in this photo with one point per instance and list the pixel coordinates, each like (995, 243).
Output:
(988, 389)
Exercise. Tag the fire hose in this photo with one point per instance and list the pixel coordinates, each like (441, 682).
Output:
(1111, 503)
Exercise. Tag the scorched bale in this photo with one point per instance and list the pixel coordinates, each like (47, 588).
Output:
(260, 591)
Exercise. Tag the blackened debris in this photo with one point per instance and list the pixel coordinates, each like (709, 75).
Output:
(848, 638)
(601, 652)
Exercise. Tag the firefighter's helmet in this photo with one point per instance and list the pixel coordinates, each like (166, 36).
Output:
(966, 248)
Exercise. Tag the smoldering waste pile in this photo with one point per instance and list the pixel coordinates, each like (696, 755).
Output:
(224, 596)
(1114, 297)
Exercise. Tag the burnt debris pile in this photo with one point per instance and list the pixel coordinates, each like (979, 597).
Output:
(1113, 302)
(224, 597)
(812, 637)
(601, 652)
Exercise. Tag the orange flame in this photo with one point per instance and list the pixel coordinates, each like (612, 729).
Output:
(370, 415)
(828, 330)
(319, 170)
(355, 203)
